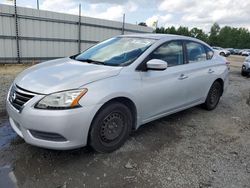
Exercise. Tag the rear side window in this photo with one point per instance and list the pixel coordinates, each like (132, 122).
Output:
(196, 52)
(171, 52)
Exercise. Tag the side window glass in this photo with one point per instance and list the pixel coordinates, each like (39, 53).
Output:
(171, 52)
(196, 52)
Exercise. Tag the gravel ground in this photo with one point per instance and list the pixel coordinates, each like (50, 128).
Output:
(7, 75)
(193, 148)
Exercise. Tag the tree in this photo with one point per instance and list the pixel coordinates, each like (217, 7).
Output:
(183, 31)
(199, 34)
(171, 30)
(213, 37)
(227, 37)
(244, 38)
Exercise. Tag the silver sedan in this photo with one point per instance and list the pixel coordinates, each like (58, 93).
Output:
(98, 97)
(245, 70)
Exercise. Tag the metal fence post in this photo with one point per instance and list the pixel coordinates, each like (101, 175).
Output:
(37, 4)
(123, 24)
(17, 34)
(79, 30)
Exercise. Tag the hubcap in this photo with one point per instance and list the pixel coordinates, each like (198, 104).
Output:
(112, 127)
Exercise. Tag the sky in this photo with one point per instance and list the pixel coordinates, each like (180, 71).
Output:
(189, 13)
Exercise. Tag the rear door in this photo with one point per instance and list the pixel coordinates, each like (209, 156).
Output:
(200, 71)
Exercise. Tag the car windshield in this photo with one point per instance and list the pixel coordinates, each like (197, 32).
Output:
(118, 51)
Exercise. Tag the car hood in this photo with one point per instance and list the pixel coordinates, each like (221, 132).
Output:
(62, 74)
(246, 52)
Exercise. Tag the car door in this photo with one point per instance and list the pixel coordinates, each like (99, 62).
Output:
(164, 91)
(200, 71)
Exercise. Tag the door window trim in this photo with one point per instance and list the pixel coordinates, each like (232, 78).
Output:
(206, 48)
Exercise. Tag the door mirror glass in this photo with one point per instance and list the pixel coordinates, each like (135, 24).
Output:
(156, 64)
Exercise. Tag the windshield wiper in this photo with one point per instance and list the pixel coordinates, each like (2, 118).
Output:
(91, 61)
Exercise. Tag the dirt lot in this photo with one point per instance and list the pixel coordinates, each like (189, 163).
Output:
(7, 75)
(193, 148)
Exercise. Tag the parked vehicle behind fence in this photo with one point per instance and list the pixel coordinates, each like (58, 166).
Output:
(245, 53)
(231, 50)
(221, 51)
(98, 97)
(236, 51)
(245, 70)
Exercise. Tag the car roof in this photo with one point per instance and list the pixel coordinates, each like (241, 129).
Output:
(164, 37)
(159, 36)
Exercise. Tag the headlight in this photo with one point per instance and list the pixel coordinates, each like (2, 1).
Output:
(61, 100)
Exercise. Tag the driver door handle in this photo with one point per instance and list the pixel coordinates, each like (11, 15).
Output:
(183, 76)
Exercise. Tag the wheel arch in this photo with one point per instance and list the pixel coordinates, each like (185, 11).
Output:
(129, 103)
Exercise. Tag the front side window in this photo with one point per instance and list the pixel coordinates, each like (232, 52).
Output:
(196, 52)
(210, 53)
(118, 51)
(171, 52)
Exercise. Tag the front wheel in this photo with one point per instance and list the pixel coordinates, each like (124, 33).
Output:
(243, 71)
(223, 54)
(213, 96)
(110, 128)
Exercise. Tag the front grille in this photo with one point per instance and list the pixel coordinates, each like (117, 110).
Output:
(18, 97)
(47, 136)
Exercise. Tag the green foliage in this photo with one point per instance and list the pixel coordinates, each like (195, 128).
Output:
(199, 34)
(214, 35)
(226, 37)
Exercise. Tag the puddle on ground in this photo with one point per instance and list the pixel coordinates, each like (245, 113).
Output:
(6, 134)
(7, 177)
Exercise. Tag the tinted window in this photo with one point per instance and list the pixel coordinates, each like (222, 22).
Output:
(196, 52)
(171, 52)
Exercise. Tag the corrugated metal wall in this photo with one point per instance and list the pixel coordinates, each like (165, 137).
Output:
(46, 35)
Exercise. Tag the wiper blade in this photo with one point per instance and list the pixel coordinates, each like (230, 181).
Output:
(91, 61)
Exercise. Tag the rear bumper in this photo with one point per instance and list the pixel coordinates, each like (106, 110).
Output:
(72, 125)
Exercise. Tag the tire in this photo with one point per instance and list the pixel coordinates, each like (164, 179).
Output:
(223, 54)
(243, 73)
(110, 128)
(213, 96)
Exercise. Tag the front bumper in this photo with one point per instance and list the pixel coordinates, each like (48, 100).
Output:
(246, 67)
(247, 70)
(72, 124)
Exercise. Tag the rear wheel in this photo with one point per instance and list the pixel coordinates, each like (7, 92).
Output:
(110, 128)
(213, 96)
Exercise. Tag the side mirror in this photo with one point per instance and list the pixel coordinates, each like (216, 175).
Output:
(157, 64)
